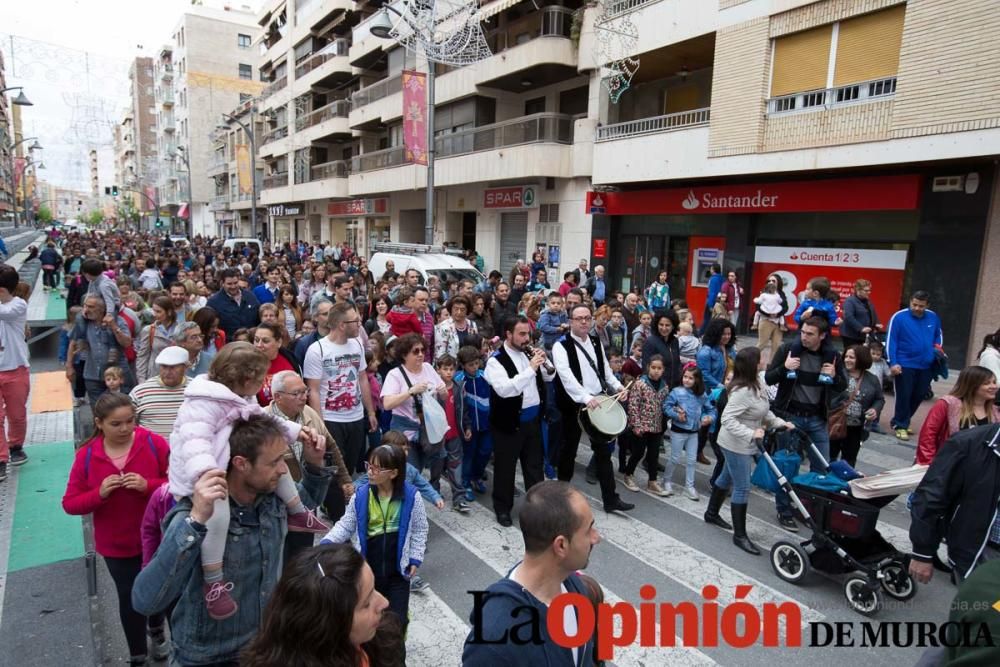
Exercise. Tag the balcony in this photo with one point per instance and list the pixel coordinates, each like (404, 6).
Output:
(328, 120)
(218, 166)
(219, 202)
(274, 87)
(166, 72)
(168, 124)
(167, 97)
(377, 91)
(531, 146)
(828, 98)
(274, 135)
(642, 126)
(335, 169)
(278, 180)
(326, 68)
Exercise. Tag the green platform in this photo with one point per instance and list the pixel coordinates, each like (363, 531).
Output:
(42, 533)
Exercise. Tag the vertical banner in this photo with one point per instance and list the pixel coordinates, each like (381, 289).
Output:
(842, 266)
(415, 116)
(243, 174)
(147, 201)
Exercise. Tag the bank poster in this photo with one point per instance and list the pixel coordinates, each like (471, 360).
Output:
(842, 266)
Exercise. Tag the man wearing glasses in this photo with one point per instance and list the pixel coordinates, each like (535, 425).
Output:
(517, 386)
(584, 376)
(291, 402)
(334, 370)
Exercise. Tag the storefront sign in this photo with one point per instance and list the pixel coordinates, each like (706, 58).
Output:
(521, 196)
(878, 193)
(415, 116)
(284, 210)
(600, 249)
(355, 207)
(842, 266)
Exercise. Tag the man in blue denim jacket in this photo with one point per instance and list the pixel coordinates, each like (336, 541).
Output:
(253, 548)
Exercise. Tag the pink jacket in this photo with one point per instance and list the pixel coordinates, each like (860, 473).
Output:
(160, 503)
(200, 439)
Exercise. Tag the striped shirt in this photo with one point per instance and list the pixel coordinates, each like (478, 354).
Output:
(156, 405)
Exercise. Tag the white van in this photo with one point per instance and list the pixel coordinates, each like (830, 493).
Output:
(425, 259)
(237, 245)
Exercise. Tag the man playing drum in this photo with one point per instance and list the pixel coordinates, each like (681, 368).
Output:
(517, 401)
(585, 387)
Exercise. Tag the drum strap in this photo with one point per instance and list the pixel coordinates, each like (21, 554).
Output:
(600, 377)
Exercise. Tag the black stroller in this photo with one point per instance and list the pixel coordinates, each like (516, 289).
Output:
(844, 541)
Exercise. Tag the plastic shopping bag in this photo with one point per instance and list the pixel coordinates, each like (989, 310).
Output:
(435, 420)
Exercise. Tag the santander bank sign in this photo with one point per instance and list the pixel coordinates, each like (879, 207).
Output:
(876, 193)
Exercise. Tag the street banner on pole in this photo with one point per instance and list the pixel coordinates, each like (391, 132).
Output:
(415, 116)
(243, 169)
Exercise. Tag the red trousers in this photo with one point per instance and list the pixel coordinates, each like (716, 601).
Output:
(14, 387)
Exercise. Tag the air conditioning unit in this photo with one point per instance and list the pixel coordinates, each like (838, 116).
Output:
(948, 184)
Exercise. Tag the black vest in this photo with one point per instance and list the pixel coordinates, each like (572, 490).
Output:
(505, 413)
(563, 399)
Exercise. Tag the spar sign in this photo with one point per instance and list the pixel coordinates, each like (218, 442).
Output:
(842, 266)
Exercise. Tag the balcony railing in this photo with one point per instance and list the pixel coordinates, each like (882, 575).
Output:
(827, 98)
(390, 157)
(335, 109)
(377, 91)
(334, 169)
(219, 202)
(618, 7)
(275, 134)
(538, 128)
(671, 121)
(278, 180)
(274, 87)
(167, 96)
(335, 49)
(218, 165)
(549, 22)
(169, 124)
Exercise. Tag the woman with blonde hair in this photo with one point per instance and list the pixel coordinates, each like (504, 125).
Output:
(601, 318)
(970, 404)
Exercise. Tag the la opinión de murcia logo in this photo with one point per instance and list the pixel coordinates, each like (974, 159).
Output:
(709, 201)
(738, 624)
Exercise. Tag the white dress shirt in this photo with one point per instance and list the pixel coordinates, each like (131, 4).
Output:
(522, 384)
(586, 391)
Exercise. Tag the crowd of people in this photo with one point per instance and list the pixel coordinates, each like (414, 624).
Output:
(244, 404)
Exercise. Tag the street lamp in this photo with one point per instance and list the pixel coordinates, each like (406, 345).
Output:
(190, 203)
(20, 100)
(253, 162)
(381, 27)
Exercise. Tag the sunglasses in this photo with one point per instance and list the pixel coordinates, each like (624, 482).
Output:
(417, 350)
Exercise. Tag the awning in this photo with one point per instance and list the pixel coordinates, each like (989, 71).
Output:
(495, 7)
(182, 212)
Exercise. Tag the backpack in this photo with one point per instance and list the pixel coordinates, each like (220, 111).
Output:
(90, 452)
(130, 355)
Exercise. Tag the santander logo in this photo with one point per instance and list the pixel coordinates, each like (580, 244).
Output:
(597, 201)
(690, 202)
(707, 201)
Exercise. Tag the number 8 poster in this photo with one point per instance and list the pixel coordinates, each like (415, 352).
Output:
(842, 266)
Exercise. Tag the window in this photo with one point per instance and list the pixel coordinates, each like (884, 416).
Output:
(800, 61)
(244, 97)
(868, 47)
(246, 71)
(243, 41)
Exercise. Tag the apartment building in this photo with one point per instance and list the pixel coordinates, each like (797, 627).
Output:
(208, 69)
(854, 139)
(230, 169)
(6, 133)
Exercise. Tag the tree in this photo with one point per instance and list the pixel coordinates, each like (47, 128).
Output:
(95, 217)
(44, 214)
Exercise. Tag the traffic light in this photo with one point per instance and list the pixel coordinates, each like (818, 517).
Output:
(114, 190)
(159, 223)
(107, 190)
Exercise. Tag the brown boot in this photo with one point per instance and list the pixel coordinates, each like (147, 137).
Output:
(702, 460)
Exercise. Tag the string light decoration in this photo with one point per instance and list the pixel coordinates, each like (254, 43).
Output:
(445, 31)
(616, 38)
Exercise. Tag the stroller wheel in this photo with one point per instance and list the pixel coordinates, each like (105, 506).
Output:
(790, 561)
(897, 582)
(863, 598)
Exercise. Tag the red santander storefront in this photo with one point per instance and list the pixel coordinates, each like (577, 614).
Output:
(843, 228)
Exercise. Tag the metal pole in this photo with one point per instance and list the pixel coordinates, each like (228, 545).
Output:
(429, 219)
(253, 172)
(188, 224)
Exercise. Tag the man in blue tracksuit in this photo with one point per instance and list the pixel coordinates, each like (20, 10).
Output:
(714, 286)
(909, 347)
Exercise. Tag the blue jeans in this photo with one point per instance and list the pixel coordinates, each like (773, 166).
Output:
(686, 443)
(815, 429)
(910, 386)
(736, 473)
(476, 456)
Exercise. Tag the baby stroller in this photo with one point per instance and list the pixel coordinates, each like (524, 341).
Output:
(844, 540)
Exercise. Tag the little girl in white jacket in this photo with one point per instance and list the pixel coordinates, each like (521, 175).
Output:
(200, 442)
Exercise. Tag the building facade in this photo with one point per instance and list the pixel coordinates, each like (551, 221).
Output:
(208, 70)
(765, 135)
(6, 157)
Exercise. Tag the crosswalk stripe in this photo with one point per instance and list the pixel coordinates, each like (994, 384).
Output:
(479, 533)
(436, 634)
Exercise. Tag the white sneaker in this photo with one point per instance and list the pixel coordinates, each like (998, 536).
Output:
(668, 489)
(629, 483)
(691, 493)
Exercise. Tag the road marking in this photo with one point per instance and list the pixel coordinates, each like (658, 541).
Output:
(8, 496)
(500, 548)
(436, 634)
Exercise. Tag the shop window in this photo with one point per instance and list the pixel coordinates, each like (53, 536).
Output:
(868, 47)
(801, 61)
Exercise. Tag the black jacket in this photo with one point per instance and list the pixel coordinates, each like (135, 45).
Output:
(858, 314)
(776, 375)
(958, 498)
(671, 353)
